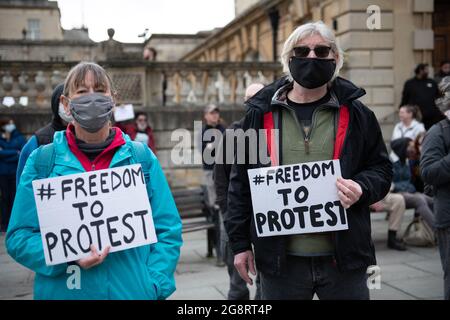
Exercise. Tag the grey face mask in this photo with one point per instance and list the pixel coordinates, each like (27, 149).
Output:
(92, 111)
(62, 114)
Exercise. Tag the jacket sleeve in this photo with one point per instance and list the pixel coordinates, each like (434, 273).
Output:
(239, 213)
(29, 147)
(9, 155)
(220, 176)
(164, 254)
(23, 238)
(435, 160)
(376, 176)
(405, 94)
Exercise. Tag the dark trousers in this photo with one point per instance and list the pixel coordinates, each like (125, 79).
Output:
(443, 236)
(238, 287)
(307, 276)
(7, 194)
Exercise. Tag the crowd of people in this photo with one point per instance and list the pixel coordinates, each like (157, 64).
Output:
(318, 116)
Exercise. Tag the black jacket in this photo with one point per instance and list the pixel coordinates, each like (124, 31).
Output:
(45, 134)
(364, 159)
(222, 169)
(423, 92)
(435, 169)
(206, 141)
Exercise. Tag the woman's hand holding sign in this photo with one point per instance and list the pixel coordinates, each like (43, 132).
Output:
(349, 192)
(244, 262)
(94, 259)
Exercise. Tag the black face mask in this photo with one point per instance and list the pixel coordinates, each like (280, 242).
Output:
(312, 73)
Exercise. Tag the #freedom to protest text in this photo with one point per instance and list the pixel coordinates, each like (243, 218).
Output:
(296, 199)
(105, 208)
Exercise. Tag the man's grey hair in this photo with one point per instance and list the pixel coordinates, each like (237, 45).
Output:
(443, 102)
(304, 31)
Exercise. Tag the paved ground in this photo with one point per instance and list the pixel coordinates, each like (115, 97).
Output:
(413, 274)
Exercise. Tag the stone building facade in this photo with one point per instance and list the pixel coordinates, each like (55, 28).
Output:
(171, 47)
(380, 60)
(30, 30)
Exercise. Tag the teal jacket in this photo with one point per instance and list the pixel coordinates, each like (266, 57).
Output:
(145, 272)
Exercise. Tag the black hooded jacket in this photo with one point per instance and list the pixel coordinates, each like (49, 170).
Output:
(45, 134)
(364, 159)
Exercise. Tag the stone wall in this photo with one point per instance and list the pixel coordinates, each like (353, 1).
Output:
(164, 120)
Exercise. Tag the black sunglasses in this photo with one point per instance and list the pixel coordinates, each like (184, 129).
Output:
(319, 51)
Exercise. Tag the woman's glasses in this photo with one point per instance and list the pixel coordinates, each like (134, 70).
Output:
(319, 51)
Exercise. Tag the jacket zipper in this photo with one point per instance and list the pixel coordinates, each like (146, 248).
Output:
(308, 132)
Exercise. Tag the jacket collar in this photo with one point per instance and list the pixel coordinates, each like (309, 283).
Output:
(280, 97)
(65, 157)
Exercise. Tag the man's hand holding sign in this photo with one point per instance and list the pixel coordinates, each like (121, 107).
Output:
(296, 199)
(84, 216)
(349, 192)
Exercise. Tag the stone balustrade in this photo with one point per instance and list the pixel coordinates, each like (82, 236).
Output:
(147, 84)
(172, 94)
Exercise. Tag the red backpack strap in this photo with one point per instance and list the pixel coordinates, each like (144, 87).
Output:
(344, 118)
(270, 137)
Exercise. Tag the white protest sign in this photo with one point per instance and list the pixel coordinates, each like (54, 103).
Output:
(105, 208)
(296, 199)
(123, 113)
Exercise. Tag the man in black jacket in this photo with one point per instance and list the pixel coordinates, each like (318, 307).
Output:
(422, 91)
(304, 107)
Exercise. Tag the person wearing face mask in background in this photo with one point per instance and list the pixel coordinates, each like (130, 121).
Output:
(422, 91)
(90, 143)
(11, 142)
(319, 117)
(140, 130)
(45, 134)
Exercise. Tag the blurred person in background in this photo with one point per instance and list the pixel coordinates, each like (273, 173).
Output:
(212, 121)
(11, 142)
(395, 205)
(408, 127)
(211, 116)
(238, 287)
(139, 130)
(422, 91)
(403, 185)
(414, 162)
(45, 134)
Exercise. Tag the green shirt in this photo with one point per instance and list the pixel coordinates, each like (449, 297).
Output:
(307, 140)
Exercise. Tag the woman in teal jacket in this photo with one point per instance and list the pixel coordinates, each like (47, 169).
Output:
(89, 143)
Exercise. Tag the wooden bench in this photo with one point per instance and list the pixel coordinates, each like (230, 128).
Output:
(196, 214)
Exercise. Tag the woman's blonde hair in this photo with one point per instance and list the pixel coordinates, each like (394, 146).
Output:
(304, 31)
(77, 75)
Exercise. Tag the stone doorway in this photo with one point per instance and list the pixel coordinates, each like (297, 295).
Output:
(441, 27)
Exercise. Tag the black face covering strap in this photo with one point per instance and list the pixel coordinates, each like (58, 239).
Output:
(312, 73)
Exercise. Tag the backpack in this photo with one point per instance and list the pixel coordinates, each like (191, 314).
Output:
(419, 234)
(45, 159)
